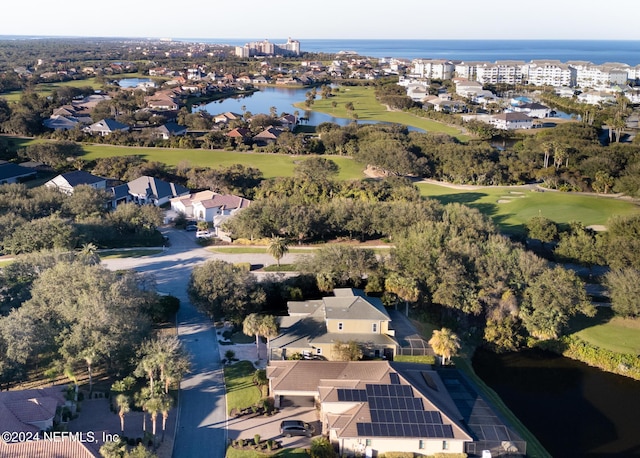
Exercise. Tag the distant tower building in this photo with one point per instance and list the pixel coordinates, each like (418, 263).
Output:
(293, 46)
(243, 51)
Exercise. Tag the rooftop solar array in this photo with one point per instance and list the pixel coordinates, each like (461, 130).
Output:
(396, 412)
(399, 430)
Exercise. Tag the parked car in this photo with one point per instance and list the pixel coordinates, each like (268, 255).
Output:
(191, 228)
(203, 234)
(290, 428)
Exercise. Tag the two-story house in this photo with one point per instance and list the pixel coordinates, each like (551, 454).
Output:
(313, 328)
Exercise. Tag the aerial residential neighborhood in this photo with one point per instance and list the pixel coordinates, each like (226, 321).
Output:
(262, 248)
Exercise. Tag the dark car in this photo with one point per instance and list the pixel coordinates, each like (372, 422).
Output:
(290, 428)
(191, 228)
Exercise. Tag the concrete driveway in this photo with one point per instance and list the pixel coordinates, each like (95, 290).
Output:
(269, 427)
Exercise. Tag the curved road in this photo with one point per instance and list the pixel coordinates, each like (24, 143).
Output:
(201, 421)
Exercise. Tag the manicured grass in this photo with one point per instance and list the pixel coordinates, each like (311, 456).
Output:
(5, 263)
(46, 89)
(137, 253)
(369, 109)
(281, 268)
(285, 453)
(252, 250)
(620, 335)
(271, 165)
(519, 205)
(241, 391)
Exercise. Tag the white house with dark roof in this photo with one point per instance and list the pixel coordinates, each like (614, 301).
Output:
(14, 173)
(169, 130)
(147, 190)
(312, 328)
(66, 182)
(511, 121)
(106, 127)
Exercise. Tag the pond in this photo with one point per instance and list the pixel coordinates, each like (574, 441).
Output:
(133, 82)
(573, 409)
(280, 98)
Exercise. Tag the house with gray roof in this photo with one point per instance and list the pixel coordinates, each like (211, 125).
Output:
(14, 173)
(66, 182)
(169, 130)
(147, 190)
(312, 328)
(106, 127)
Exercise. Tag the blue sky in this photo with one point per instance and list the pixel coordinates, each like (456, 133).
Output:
(359, 19)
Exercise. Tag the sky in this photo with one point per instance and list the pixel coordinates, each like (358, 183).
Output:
(340, 19)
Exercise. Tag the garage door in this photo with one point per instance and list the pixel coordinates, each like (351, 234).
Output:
(297, 401)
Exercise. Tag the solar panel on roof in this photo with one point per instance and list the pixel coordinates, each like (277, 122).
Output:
(394, 378)
(432, 431)
(447, 431)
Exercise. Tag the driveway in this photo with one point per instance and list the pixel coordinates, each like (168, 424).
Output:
(269, 427)
(201, 417)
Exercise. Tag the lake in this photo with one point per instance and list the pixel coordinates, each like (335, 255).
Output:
(281, 98)
(573, 409)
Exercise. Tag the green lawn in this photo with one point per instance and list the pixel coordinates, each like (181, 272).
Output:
(512, 207)
(241, 391)
(137, 253)
(253, 250)
(369, 109)
(46, 89)
(620, 335)
(271, 165)
(285, 453)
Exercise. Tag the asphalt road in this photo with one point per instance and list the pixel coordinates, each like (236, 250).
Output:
(201, 426)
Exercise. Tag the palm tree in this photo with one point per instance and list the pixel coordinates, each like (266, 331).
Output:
(403, 287)
(278, 247)
(445, 343)
(166, 404)
(268, 327)
(153, 405)
(122, 402)
(251, 326)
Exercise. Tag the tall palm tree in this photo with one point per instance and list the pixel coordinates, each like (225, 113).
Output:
(153, 405)
(124, 407)
(403, 287)
(166, 404)
(268, 327)
(278, 247)
(445, 343)
(251, 326)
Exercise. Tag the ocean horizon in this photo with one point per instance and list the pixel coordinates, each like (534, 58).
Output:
(595, 51)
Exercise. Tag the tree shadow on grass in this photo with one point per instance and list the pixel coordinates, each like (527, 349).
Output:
(580, 322)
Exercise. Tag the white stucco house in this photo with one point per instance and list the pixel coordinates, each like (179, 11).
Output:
(511, 121)
(66, 182)
(209, 206)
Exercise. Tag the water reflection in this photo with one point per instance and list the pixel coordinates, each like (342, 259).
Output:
(282, 99)
(572, 408)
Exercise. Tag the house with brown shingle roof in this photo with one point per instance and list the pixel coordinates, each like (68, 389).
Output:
(312, 328)
(374, 407)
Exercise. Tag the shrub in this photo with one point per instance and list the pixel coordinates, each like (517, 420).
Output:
(256, 439)
(423, 359)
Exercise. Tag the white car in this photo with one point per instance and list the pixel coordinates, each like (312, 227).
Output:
(203, 234)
